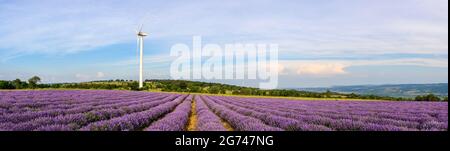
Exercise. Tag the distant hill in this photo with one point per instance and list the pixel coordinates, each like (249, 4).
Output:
(397, 90)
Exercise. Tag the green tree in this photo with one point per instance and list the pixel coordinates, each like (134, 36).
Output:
(133, 86)
(428, 98)
(34, 81)
(17, 84)
(328, 94)
(6, 85)
(174, 87)
(195, 89)
(214, 90)
(183, 86)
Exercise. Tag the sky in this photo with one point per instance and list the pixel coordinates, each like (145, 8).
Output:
(321, 42)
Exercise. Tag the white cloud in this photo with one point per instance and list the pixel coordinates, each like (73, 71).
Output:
(312, 68)
(303, 29)
(89, 77)
(321, 69)
(379, 27)
(148, 60)
(82, 77)
(54, 27)
(100, 75)
(338, 67)
(440, 63)
(318, 68)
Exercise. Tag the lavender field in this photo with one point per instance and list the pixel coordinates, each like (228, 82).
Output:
(79, 110)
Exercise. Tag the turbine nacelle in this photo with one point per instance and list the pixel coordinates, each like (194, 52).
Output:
(142, 34)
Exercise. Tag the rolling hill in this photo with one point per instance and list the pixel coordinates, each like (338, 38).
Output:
(397, 90)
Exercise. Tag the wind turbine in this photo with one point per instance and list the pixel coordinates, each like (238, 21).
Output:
(140, 46)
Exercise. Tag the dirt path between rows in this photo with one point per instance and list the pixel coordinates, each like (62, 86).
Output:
(193, 118)
(227, 125)
(192, 123)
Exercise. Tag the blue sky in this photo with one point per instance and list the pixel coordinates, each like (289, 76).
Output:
(322, 42)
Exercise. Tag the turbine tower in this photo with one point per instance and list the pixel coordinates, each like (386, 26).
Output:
(140, 44)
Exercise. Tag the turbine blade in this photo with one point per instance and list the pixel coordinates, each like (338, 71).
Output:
(137, 29)
(140, 28)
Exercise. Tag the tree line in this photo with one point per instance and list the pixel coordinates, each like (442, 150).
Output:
(32, 83)
(200, 87)
(215, 88)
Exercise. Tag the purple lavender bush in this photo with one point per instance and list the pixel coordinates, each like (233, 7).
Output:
(99, 110)
(174, 121)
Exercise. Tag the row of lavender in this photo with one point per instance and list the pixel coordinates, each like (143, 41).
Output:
(250, 114)
(82, 110)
